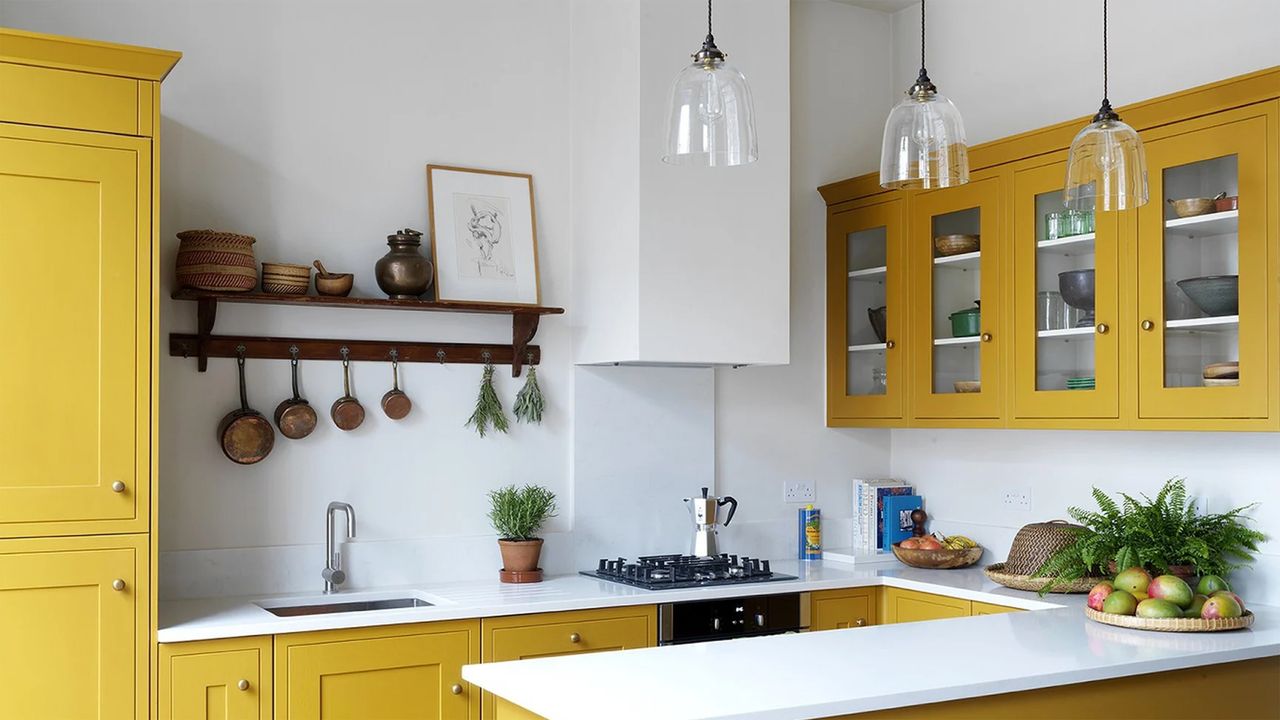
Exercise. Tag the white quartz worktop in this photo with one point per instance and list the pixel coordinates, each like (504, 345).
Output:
(183, 620)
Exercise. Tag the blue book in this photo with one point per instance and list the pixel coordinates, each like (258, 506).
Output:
(897, 517)
(883, 494)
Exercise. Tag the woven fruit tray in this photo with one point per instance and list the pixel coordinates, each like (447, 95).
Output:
(1171, 624)
(997, 574)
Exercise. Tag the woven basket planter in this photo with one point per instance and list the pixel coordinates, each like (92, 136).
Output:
(1171, 624)
(218, 261)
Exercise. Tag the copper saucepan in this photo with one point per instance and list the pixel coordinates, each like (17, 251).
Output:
(395, 403)
(347, 413)
(294, 416)
(245, 435)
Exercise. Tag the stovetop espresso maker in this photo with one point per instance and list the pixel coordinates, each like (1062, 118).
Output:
(706, 522)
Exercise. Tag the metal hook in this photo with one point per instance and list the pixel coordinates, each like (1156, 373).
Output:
(293, 355)
(528, 358)
(440, 356)
(240, 355)
(485, 356)
(395, 356)
(346, 353)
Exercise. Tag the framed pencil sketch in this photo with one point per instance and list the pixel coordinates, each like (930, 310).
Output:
(484, 239)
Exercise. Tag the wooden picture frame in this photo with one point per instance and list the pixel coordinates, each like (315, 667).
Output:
(484, 235)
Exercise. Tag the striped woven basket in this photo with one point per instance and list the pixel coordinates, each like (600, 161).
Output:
(219, 261)
(1171, 624)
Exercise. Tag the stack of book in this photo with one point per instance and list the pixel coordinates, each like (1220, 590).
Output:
(869, 512)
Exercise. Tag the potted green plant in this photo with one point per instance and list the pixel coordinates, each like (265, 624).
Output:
(1163, 534)
(517, 514)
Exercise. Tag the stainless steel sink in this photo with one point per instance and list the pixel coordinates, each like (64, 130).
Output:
(348, 606)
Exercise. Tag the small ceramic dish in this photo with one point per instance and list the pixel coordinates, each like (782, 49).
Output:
(1222, 370)
(967, 386)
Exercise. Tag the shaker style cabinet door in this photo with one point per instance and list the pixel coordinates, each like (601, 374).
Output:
(839, 609)
(910, 606)
(1206, 293)
(866, 313)
(73, 618)
(396, 671)
(216, 680)
(75, 308)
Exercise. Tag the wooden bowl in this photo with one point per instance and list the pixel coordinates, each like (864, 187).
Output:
(1222, 370)
(955, 244)
(285, 278)
(967, 386)
(338, 284)
(1190, 207)
(938, 559)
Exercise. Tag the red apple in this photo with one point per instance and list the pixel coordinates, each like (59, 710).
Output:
(910, 544)
(1098, 593)
(930, 543)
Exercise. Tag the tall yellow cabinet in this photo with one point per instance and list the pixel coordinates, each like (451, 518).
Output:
(78, 185)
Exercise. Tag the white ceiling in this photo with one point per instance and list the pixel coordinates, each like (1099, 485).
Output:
(887, 6)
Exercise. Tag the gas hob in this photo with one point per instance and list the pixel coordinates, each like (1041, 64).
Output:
(663, 572)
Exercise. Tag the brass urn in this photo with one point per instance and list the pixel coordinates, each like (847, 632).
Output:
(404, 273)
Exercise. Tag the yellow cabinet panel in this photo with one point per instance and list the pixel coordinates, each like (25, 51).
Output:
(60, 98)
(981, 608)
(73, 228)
(75, 644)
(911, 606)
(392, 672)
(216, 680)
(520, 637)
(838, 609)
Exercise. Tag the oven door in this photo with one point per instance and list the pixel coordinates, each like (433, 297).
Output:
(723, 619)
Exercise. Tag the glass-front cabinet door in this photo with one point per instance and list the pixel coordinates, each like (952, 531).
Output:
(955, 301)
(865, 315)
(1202, 270)
(1066, 300)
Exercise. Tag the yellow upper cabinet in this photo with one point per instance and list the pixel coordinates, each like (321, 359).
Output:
(1206, 282)
(866, 313)
(76, 311)
(956, 303)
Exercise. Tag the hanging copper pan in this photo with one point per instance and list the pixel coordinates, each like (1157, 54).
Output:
(245, 435)
(347, 413)
(294, 416)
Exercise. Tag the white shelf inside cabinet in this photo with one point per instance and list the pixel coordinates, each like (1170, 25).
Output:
(1066, 332)
(963, 261)
(1222, 323)
(869, 347)
(1221, 223)
(868, 274)
(1070, 245)
(970, 340)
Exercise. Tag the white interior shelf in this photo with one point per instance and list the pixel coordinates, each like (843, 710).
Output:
(1066, 332)
(874, 273)
(1205, 324)
(1204, 225)
(869, 347)
(1070, 245)
(963, 261)
(970, 340)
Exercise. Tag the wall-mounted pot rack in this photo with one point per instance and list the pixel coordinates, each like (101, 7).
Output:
(204, 344)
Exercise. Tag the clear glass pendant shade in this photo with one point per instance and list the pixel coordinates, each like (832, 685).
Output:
(924, 144)
(711, 121)
(1106, 168)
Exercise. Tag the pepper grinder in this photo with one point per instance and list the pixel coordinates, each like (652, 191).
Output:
(918, 517)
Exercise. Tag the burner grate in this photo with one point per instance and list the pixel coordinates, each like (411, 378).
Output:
(657, 572)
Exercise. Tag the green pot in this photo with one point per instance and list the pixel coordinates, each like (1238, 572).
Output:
(965, 323)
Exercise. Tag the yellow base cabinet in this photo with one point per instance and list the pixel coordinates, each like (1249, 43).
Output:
(901, 606)
(839, 609)
(216, 680)
(520, 637)
(981, 608)
(391, 672)
(73, 618)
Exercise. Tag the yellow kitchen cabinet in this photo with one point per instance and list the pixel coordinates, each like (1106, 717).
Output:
(901, 606)
(866, 254)
(521, 637)
(981, 608)
(73, 618)
(216, 680)
(943, 285)
(394, 671)
(838, 609)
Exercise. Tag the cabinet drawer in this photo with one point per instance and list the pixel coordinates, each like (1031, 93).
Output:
(66, 99)
(838, 609)
(216, 680)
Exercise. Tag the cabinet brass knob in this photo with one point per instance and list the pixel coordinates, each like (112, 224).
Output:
(986, 337)
(575, 638)
(117, 486)
(1103, 328)
(117, 584)
(889, 344)
(1148, 325)
(456, 689)
(243, 685)
(861, 622)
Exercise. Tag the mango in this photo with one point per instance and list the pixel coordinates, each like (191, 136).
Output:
(1197, 604)
(1210, 584)
(1171, 588)
(1098, 593)
(1120, 602)
(1232, 595)
(1221, 606)
(1158, 608)
(1133, 580)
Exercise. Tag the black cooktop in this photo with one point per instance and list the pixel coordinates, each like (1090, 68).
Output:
(664, 572)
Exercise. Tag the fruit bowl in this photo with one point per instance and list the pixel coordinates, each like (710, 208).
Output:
(1171, 624)
(943, 559)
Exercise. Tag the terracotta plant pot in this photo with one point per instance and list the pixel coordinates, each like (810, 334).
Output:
(520, 555)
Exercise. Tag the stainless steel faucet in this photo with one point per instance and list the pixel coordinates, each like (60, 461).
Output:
(333, 573)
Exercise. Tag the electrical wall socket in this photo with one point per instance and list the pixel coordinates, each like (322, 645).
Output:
(1017, 498)
(797, 491)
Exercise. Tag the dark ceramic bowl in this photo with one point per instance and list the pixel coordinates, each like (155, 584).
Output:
(1216, 294)
(1076, 287)
(878, 322)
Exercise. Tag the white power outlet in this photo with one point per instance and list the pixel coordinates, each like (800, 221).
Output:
(797, 491)
(1017, 498)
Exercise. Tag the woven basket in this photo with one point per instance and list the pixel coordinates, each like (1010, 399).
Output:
(285, 278)
(998, 573)
(1036, 543)
(1171, 624)
(212, 260)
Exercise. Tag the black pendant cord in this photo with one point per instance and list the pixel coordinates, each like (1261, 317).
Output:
(923, 84)
(709, 51)
(1105, 112)
(709, 37)
(922, 72)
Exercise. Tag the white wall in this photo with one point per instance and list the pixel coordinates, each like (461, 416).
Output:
(1011, 66)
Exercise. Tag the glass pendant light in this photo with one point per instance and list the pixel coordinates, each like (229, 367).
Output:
(1107, 167)
(711, 121)
(924, 145)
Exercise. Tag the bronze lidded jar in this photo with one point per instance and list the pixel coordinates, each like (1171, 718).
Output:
(404, 273)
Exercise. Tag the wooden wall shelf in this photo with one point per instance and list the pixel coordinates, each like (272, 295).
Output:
(203, 345)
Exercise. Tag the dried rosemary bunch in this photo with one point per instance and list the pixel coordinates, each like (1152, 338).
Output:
(488, 410)
(529, 401)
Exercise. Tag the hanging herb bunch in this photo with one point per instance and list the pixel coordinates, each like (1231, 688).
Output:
(488, 412)
(529, 401)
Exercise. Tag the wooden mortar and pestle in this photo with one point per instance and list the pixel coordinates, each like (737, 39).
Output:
(335, 284)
